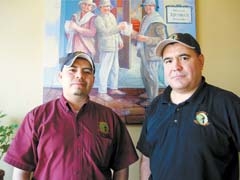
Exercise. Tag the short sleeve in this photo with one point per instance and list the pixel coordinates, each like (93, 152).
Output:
(125, 152)
(233, 110)
(22, 150)
(142, 144)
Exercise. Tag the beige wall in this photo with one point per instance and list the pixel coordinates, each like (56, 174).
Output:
(218, 30)
(21, 49)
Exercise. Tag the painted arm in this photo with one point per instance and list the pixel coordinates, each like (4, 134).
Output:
(19, 174)
(121, 174)
(144, 168)
(88, 32)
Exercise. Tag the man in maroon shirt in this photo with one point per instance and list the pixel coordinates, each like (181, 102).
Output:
(72, 137)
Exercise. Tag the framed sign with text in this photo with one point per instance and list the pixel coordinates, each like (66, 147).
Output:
(179, 14)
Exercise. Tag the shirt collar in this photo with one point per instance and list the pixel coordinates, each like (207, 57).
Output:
(167, 92)
(67, 107)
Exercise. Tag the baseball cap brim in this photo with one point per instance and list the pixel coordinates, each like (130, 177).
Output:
(70, 59)
(162, 44)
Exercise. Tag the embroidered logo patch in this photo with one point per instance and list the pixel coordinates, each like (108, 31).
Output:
(201, 118)
(103, 127)
(174, 36)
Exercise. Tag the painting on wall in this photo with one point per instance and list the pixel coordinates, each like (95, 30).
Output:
(178, 16)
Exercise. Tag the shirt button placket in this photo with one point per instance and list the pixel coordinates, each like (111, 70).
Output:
(177, 115)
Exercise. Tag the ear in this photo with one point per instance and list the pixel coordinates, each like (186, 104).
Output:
(60, 77)
(201, 60)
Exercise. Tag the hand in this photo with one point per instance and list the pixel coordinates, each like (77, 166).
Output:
(120, 46)
(73, 25)
(122, 25)
(134, 34)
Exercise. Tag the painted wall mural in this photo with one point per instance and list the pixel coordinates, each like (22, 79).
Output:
(177, 15)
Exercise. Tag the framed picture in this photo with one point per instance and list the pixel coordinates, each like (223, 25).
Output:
(178, 17)
(178, 14)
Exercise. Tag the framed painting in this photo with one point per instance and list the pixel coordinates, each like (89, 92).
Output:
(178, 16)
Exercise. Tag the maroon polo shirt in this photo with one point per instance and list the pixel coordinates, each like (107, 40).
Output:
(56, 143)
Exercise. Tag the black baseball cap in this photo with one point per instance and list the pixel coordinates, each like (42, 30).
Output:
(71, 57)
(183, 38)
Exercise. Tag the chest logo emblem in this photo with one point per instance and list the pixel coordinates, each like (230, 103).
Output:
(201, 118)
(103, 127)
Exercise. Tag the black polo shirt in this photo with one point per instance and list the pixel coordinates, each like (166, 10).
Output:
(198, 139)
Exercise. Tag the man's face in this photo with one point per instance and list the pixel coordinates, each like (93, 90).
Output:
(105, 9)
(182, 67)
(86, 7)
(149, 9)
(77, 80)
